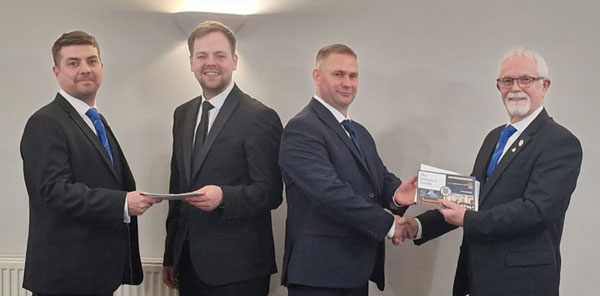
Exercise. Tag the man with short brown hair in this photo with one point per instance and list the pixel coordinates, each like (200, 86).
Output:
(225, 143)
(83, 237)
(338, 190)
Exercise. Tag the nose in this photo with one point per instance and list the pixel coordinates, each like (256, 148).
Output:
(346, 81)
(84, 68)
(211, 60)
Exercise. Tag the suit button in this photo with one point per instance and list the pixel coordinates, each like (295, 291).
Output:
(371, 195)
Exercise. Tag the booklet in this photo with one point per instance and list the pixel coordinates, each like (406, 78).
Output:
(435, 185)
(169, 196)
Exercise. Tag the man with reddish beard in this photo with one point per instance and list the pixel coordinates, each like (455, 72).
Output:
(338, 190)
(225, 145)
(528, 169)
(83, 237)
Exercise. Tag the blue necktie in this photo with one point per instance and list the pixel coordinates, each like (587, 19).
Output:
(352, 131)
(92, 113)
(508, 131)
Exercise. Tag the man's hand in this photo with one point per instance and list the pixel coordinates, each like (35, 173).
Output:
(168, 277)
(453, 213)
(137, 204)
(207, 198)
(406, 227)
(405, 194)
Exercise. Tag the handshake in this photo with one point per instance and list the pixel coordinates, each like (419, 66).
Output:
(406, 228)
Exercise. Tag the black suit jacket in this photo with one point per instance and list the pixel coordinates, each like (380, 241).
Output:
(235, 241)
(336, 220)
(78, 242)
(512, 245)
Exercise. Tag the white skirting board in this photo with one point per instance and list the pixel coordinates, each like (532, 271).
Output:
(11, 279)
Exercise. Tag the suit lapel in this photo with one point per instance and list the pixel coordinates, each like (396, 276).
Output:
(189, 125)
(370, 155)
(225, 112)
(515, 148)
(329, 120)
(485, 153)
(89, 134)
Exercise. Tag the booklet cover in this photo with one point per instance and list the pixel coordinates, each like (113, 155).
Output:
(435, 185)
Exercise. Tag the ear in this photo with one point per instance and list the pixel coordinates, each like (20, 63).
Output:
(56, 70)
(546, 84)
(316, 76)
(235, 61)
(191, 68)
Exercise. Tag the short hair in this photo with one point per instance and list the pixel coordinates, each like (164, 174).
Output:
(542, 67)
(333, 48)
(72, 38)
(207, 27)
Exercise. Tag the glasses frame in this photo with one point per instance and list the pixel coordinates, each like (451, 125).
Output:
(513, 79)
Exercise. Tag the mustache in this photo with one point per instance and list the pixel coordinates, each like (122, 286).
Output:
(520, 94)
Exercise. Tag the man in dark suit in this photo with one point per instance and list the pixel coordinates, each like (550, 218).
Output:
(83, 237)
(528, 169)
(225, 145)
(337, 189)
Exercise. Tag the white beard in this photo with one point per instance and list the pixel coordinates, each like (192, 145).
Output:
(517, 108)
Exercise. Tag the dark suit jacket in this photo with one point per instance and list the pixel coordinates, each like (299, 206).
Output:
(78, 243)
(336, 220)
(512, 245)
(235, 241)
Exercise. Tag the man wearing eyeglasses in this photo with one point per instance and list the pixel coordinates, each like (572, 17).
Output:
(528, 169)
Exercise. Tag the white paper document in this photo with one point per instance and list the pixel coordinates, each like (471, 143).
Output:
(169, 196)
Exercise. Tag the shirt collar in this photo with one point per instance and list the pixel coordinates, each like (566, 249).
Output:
(218, 100)
(525, 122)
(80, 106)
(337, 114)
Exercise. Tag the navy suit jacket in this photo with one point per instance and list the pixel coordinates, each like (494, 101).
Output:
(511, 246)
(234, 242)
(336, 221)
(78, 242)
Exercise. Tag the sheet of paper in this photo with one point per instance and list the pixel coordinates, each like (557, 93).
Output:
(169, 196)
(429, 168)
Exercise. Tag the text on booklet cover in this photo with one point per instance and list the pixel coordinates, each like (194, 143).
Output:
(433, 187)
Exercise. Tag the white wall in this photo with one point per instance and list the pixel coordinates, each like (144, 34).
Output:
(427, 94)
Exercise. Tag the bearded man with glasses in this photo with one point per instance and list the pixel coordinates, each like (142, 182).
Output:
(528, 169)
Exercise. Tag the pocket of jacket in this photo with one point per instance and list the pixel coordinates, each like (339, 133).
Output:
(530, 258)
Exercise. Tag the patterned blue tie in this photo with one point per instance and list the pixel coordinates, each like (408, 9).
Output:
(352, 131)
(508, 131)
(92, 113)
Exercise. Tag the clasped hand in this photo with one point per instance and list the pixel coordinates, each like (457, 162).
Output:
(406, 228)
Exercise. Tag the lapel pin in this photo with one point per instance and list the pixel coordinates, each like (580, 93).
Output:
(514, 149)
(521, 143)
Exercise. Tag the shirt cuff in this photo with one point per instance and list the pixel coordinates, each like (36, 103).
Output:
(392, 230)
(394, 200)
(420, 231)
(126, 217)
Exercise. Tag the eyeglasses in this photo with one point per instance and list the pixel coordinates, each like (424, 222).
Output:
(523, 81)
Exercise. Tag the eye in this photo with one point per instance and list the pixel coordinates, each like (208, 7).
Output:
(525, 79)
(337, 74)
